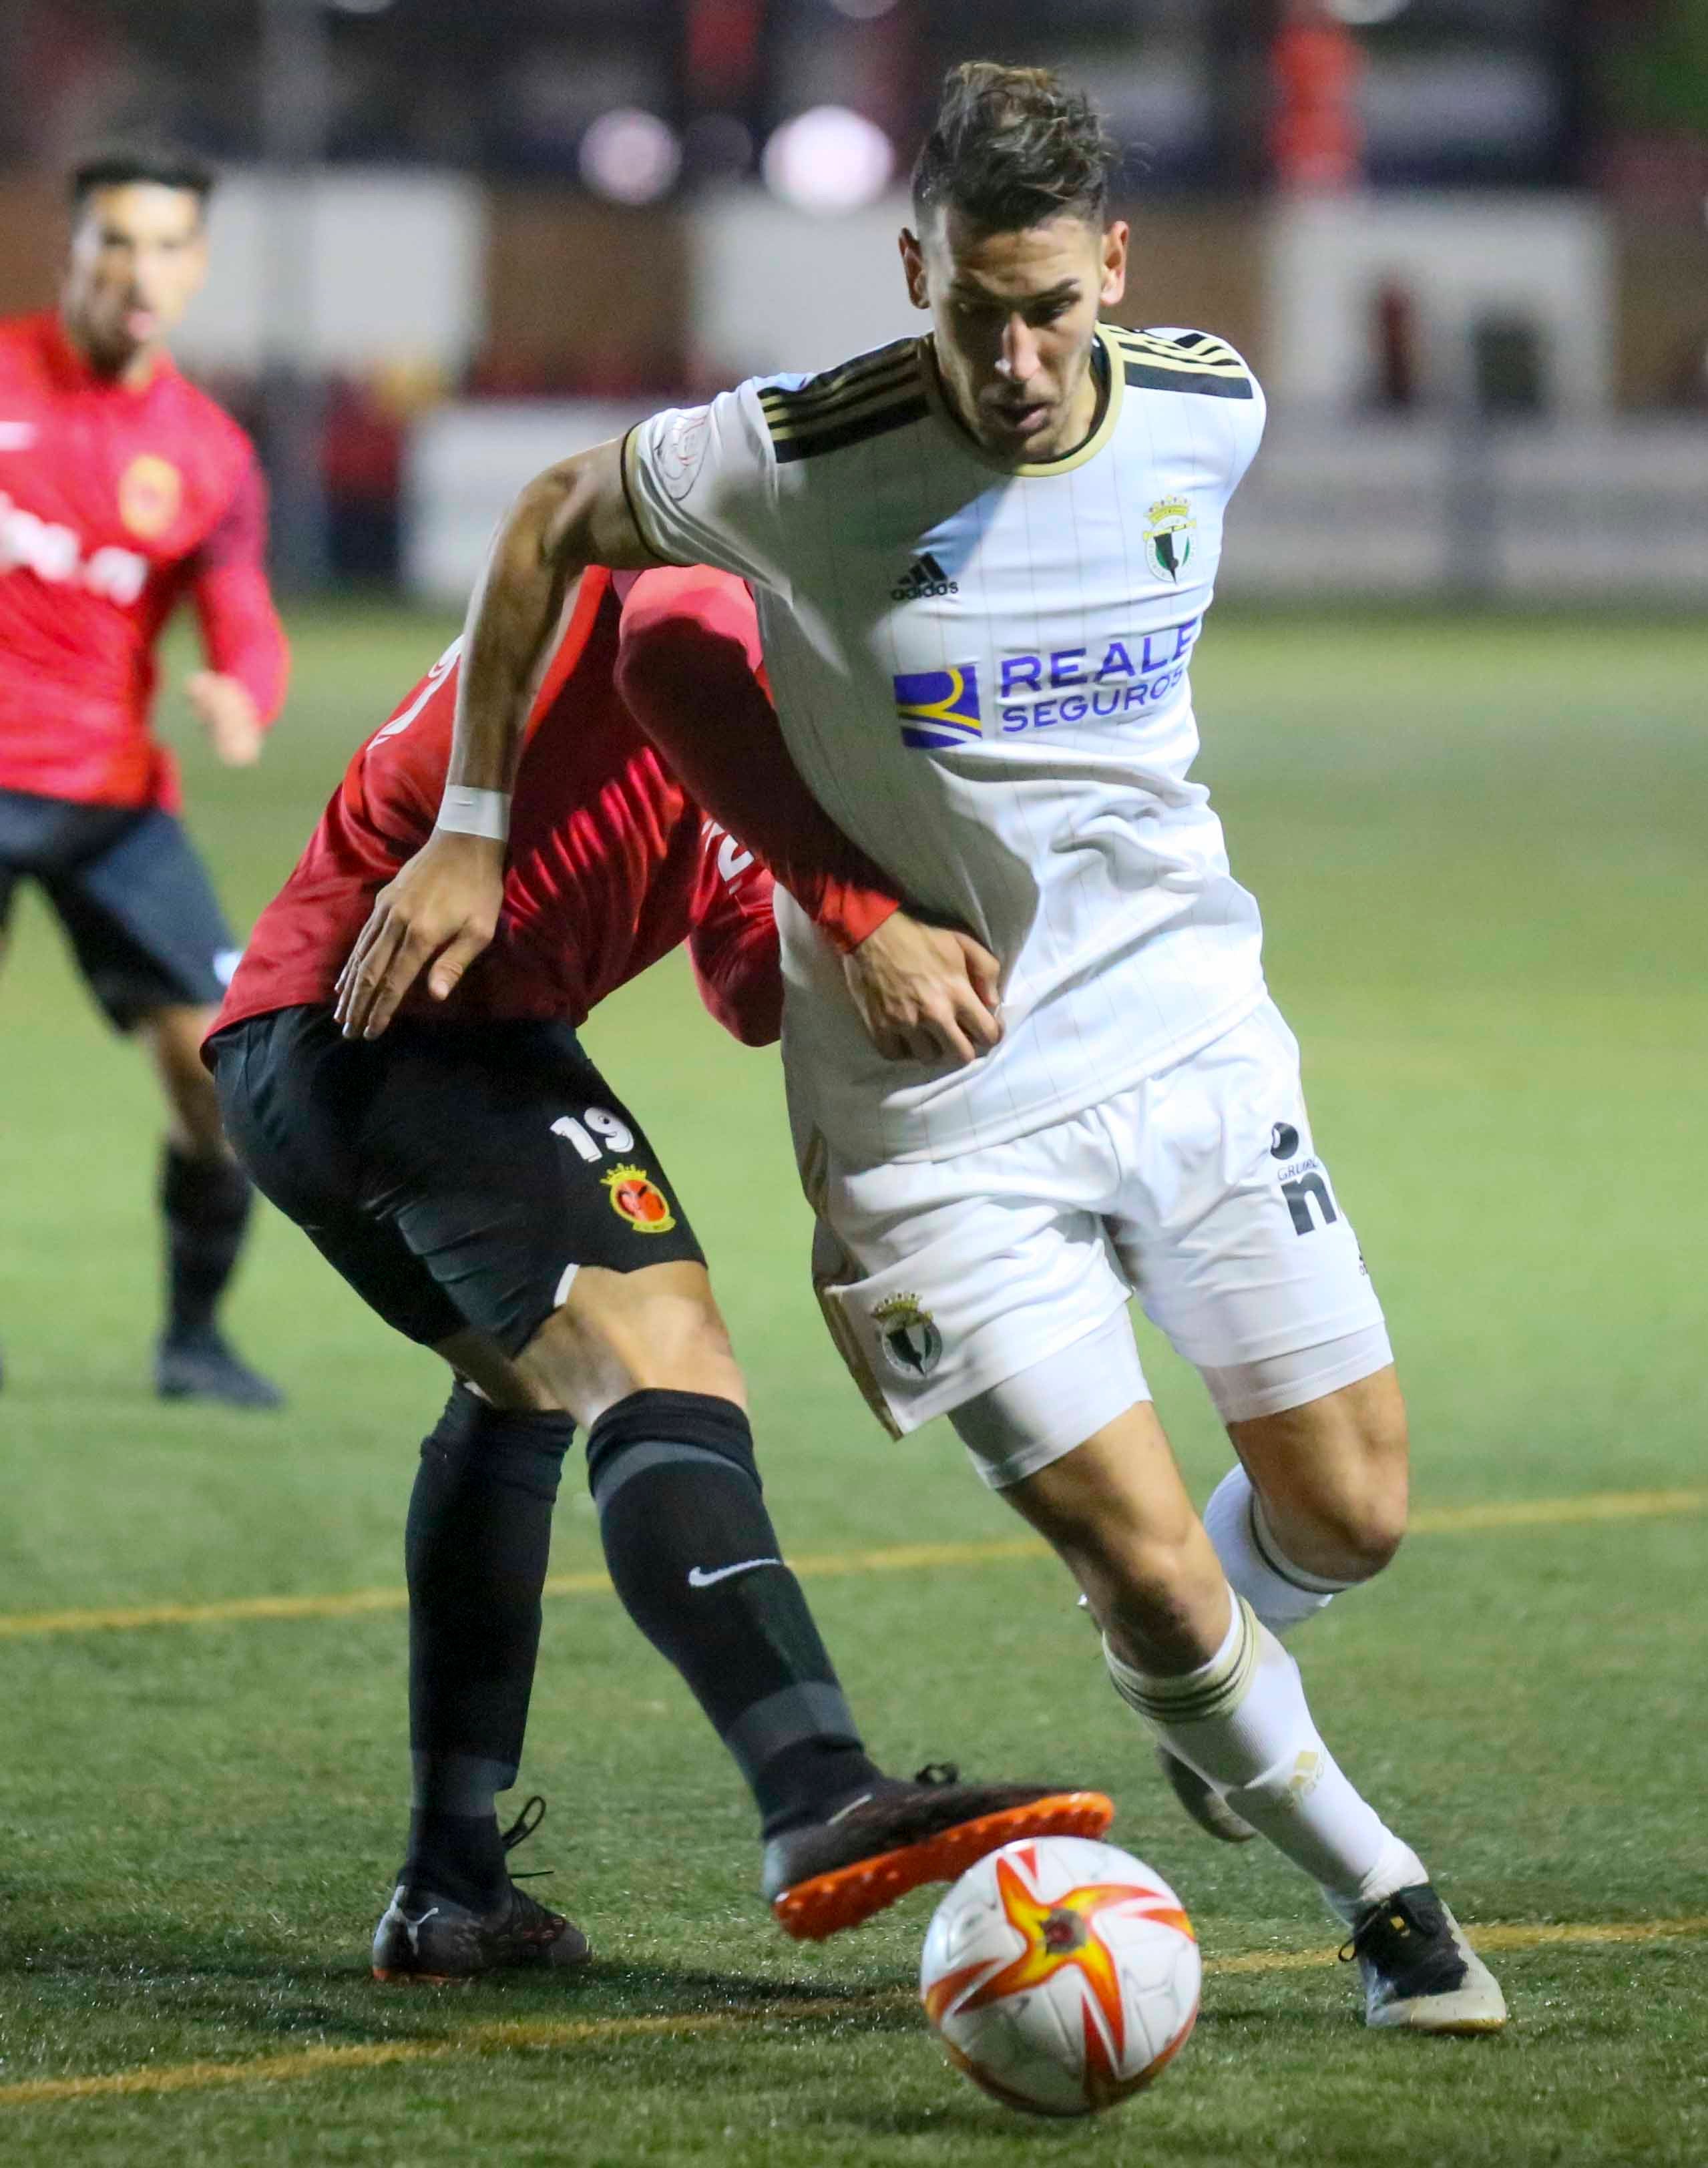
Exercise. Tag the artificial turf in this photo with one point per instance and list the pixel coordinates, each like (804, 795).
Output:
(1478, 847)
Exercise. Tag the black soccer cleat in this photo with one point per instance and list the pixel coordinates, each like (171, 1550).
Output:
(1419, 1972)
(836, 1873)
(207, 1368)
(426, 1936)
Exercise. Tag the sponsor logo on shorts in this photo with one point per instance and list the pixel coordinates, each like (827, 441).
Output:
(150, 490)
(1284, 1140)
(637, 1197)
(938, 707)
(908, 1336)
(1310, 1201)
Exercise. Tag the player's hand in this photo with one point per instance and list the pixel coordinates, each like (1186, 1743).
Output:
(225, 710)
(436, 916)
(925, 993)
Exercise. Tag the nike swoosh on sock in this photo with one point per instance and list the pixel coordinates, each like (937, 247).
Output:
(698, 1577)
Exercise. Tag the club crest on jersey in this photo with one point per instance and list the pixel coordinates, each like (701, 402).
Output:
(938, 707)
(1169, 528)
(908, 1335)
(150, 490)
(637, 1197)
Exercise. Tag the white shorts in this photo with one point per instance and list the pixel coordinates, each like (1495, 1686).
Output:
(1198, 1191)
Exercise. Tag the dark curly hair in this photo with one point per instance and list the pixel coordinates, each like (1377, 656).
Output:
(118, 165)
(1012, 147)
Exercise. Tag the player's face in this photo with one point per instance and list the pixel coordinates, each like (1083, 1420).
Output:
(138, 254)
(1015, 315)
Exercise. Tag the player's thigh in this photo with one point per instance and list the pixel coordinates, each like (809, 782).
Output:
(940, 1279)
(1231, 1230)
(510, 1168)
(143, 921)
(294, 1096)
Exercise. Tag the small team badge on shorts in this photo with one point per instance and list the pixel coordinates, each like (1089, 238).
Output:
(908, 1335)
(637, 1198)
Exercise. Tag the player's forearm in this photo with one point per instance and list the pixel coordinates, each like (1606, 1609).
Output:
(512, 612)
(242, 636)
(571, 516)
(689, 671)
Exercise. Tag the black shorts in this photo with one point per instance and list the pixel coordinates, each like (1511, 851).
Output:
(134, 898)
(456, 1175)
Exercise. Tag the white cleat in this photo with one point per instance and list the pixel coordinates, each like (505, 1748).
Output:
(1420, 1974)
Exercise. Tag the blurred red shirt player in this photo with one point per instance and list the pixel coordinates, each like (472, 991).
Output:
(123, 490)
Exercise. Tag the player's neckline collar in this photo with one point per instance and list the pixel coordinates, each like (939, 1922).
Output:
(938, 400)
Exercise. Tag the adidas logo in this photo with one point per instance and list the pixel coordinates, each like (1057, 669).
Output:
(924, 578)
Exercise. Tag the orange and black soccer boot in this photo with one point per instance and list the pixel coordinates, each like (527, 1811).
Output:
(895, 1836)
(425, 1935)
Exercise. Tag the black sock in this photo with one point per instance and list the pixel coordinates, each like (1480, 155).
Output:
(205, 1204)
(696, 1561)
(477, 1546)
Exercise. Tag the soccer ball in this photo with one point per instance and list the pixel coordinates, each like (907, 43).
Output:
(1060, 1975)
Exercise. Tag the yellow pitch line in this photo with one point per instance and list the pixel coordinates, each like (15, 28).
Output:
(509, 2033)
(898, 1558)
(1554, 1512)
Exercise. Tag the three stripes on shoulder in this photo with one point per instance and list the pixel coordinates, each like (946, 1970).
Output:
(1196, 361)
(877, 392)
(866, 397)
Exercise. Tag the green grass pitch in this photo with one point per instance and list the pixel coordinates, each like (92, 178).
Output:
(1479, 847)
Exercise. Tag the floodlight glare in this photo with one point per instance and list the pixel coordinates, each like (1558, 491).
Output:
(829, 160)
(630, 155)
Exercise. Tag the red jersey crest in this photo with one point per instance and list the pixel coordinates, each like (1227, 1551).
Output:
(637, 1198)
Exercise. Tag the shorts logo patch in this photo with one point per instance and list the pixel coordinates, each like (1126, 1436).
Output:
(1284, 1140)
(912, 1344)
(637, 1198)
(150, 490)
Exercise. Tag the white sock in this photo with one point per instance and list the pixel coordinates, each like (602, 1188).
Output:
(1283, 1595)
(1241, 1721)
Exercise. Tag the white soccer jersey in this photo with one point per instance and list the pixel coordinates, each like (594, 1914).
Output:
(981, 674)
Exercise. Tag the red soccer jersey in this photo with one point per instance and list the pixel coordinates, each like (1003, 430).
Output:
(611, 863)
(113, 503)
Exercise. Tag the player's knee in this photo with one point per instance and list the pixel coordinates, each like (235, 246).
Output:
(1351, 1532)
(677, 1423)
(522, 1446)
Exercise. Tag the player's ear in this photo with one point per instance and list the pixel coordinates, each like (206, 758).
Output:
(913, 268)
(1113, 252)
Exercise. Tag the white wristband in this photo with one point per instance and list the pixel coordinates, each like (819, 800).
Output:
(468, 812)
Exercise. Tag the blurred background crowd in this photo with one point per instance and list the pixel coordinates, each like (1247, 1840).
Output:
(1462, 241)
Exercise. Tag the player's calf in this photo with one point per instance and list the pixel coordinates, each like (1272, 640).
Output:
(698, 1565)
(476, 1545)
